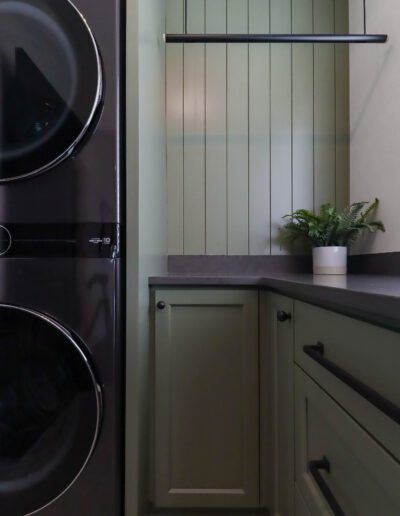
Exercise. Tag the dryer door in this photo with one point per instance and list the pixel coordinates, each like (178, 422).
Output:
(50, 84)
(50, 411)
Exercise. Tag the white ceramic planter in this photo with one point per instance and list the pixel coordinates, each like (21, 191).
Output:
(330, 260)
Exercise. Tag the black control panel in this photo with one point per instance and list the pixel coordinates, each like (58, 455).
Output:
(91, 240)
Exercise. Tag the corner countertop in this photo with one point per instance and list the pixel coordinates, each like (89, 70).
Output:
(375, 298)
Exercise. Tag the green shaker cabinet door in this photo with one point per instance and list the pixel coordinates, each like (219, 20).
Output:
(206, 399)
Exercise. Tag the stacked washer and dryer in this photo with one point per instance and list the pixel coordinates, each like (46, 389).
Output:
(60, 263)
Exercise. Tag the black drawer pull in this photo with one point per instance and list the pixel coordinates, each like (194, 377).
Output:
(384, 405)
(315, 466)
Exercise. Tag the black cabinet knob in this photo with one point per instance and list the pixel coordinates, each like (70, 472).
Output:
(283, 316)
(161, 305)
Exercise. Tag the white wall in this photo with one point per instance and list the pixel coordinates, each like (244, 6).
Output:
(254, 131)
(146, 224)
(375, 119)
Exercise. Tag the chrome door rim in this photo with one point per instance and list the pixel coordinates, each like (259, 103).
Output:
(97, 390)
(99, 93)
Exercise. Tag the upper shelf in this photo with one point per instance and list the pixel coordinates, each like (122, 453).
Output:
(275, 38)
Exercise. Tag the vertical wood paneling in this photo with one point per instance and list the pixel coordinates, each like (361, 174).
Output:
(303, 108)
(356, 16)
(281, 121)
(342, 107)
(237, 131)
(254, 131)
(216, 162)
(324, 106)
(259, 131)
(174, 116)
(194, 134)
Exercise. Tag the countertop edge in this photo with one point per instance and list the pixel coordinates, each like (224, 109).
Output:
(375, 307)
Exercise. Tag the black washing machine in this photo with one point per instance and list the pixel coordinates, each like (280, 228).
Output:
(60, 377)
(60, 258)
(60, 111)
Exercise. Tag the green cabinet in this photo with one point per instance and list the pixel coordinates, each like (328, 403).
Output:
(206, 415)
(240, 409)
(346, 371)
(363, 477)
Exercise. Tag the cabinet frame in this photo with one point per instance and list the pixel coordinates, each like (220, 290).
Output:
(277, 404)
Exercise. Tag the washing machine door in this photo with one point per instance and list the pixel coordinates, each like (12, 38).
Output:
(50, 84)
(50, 411)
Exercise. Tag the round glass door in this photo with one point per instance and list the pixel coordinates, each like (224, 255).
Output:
(50, 411)
(50, 84)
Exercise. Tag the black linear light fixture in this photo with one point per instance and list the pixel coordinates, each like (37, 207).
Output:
(275, 38)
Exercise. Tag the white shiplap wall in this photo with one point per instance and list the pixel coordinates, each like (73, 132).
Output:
(253, 131)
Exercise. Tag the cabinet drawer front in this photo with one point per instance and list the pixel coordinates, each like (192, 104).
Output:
(358, 475)
(357, 364)
(206, 399)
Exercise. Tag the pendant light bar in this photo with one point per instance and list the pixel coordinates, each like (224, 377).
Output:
(276, 38)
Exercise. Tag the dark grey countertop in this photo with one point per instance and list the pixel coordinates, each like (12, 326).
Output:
(375, 298)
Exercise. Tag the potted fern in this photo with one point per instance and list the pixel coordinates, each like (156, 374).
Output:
(330, 233)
